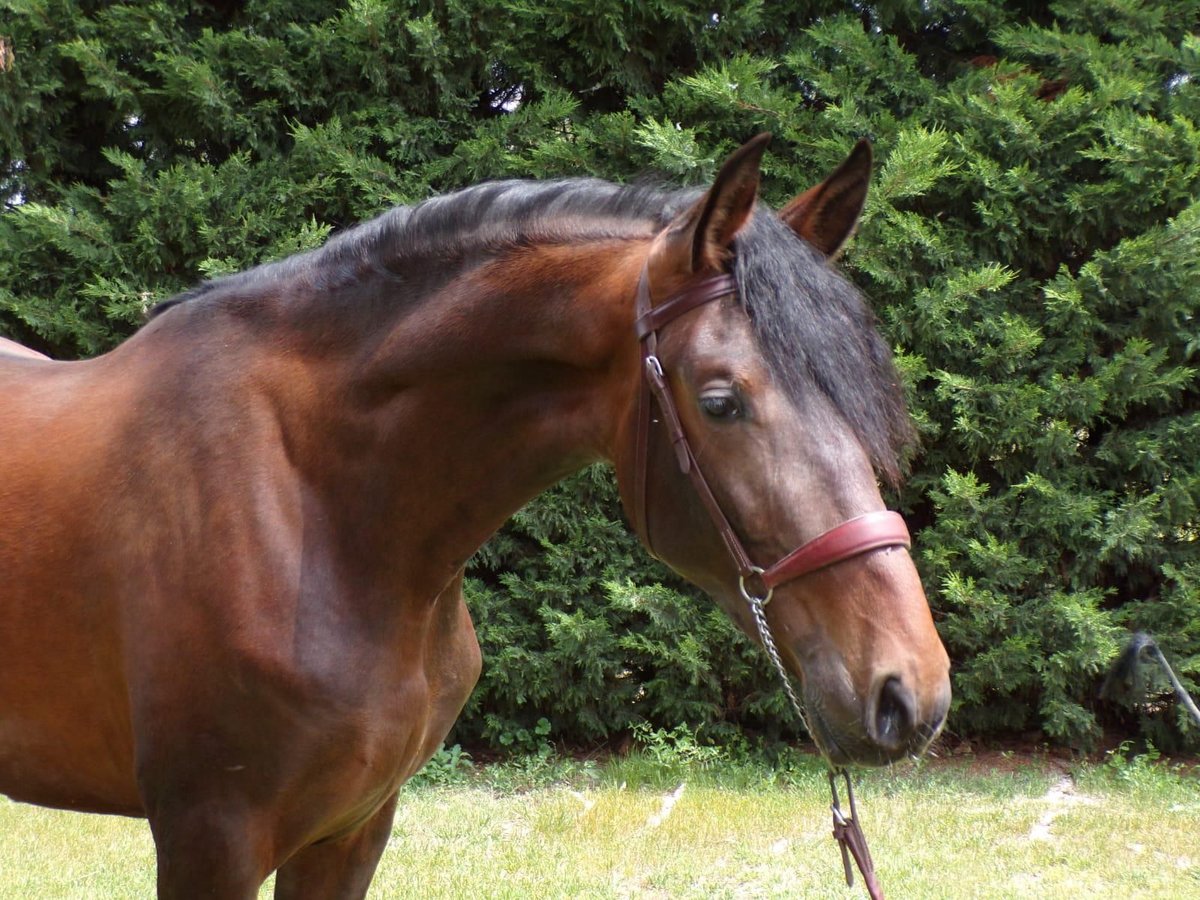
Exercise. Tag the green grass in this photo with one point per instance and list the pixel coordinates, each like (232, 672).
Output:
(544, 827)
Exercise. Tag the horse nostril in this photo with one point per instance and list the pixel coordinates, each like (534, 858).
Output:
(892, 724)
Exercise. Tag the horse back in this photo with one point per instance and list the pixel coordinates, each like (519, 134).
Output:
(10, 347)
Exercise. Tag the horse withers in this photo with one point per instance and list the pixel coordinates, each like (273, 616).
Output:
(10, 347)
(232, 549)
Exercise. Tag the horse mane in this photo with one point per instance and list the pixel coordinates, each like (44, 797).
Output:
(815, 329)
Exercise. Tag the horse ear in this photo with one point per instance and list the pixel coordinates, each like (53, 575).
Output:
(826, 215)
(699, 239)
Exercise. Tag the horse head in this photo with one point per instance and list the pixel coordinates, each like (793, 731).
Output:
(787, 402)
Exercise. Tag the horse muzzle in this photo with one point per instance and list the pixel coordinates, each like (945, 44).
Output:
(894, 721)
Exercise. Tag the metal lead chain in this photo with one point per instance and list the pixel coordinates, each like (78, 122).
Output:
(768, 642)
(846, 831)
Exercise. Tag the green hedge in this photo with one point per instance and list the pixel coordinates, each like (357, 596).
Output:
(1032, 245)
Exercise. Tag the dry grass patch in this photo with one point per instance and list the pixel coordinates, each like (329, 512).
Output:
(626, 831)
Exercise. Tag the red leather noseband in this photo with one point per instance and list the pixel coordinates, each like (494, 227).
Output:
(853, 538)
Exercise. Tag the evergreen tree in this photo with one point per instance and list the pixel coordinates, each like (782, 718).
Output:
(1032, 246)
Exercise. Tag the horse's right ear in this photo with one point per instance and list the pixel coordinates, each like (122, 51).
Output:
(826, 214)
(699, 239)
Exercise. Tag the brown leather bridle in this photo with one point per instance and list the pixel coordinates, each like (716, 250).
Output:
(855, 537)
(859, 535)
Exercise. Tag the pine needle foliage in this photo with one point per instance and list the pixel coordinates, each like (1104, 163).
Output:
(1032, 246)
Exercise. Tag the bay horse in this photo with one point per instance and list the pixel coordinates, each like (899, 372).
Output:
(232, 548)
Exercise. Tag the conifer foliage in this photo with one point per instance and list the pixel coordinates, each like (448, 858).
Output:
(1032, 247)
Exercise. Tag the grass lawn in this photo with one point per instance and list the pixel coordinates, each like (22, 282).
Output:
(997, 826)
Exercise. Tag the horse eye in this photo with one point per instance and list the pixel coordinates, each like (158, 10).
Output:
(720, 406)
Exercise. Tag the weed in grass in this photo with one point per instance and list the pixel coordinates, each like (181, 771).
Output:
(1133, 768)
(450, 765)
(676, 751)
(1146, 773)
(664, 758)
(542, 769)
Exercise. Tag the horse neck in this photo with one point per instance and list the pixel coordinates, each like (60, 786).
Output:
(438, 427)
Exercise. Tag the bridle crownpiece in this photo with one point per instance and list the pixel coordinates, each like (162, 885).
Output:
(862, 534)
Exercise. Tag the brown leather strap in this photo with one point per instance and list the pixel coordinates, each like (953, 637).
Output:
(648, 319)
(649, 345)
(703, 291)
(689, 466)
(859, 535)
(849, 835)
(850, 838)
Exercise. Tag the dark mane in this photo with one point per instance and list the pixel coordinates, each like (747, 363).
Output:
(815, 328)
(470, 224)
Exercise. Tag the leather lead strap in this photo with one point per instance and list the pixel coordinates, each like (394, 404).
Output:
(851, 840)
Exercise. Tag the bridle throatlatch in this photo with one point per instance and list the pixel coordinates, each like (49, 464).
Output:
(756, 583)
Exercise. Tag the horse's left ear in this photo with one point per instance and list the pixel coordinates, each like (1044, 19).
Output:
(826, 215)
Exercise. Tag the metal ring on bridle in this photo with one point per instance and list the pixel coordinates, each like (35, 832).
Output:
(751, 598)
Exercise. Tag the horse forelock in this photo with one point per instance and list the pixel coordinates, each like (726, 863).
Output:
(817, 331)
